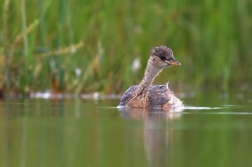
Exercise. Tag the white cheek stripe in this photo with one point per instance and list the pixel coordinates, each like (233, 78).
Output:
(167, 61)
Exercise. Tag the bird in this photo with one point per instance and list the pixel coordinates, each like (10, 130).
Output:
(146, 95)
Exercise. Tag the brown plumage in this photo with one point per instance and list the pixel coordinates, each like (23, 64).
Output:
(146, 95)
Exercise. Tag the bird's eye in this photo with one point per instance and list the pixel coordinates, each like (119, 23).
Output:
(163, 58)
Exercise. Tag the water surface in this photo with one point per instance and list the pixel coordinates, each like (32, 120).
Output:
(213, 130)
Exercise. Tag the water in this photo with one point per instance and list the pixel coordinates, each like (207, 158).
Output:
(213, 130)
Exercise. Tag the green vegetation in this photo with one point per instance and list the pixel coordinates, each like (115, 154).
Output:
(86, 46)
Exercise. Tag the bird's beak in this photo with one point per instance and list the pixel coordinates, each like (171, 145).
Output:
(173, 62)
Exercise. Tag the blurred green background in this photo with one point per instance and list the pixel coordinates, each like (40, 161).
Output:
(88, 46)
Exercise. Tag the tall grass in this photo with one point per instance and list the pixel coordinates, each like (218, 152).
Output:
(4, 74)
(86, 46)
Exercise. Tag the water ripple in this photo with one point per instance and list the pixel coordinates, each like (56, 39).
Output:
(202, 108)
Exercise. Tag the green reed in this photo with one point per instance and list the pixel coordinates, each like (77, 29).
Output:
(4, 74)
(86, 46)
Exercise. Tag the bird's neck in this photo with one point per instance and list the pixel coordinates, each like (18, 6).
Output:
(149, 75)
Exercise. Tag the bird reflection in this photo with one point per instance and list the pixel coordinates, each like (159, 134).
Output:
(157, 132)
(144, 113)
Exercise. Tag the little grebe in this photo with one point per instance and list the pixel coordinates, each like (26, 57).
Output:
(146, 95)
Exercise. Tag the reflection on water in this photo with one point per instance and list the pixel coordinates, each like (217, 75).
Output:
(77, 132)
(142, 113)
(157, 137)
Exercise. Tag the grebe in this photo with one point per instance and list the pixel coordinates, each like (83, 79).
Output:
(146, 95)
